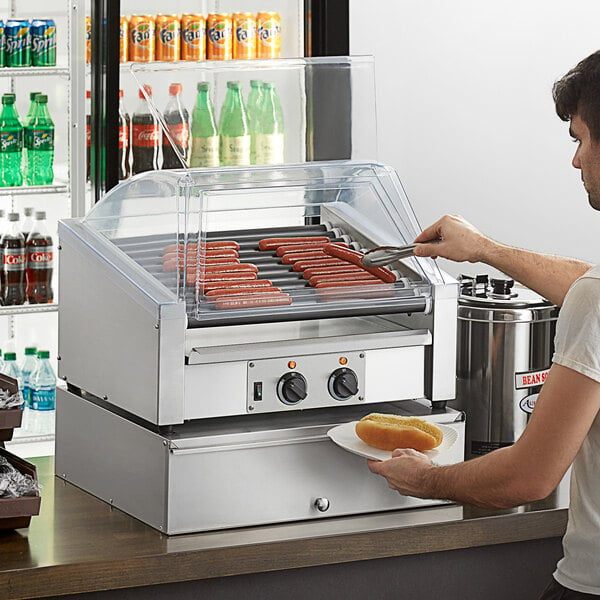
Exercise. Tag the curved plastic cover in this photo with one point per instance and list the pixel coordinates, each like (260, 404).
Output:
(181, 226)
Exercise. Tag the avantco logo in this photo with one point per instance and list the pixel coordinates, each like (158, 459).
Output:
(527, 404)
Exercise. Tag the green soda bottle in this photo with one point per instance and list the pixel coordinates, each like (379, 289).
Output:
(205, 136)
(253, 104)
(27, 129)
(41, 154)
(11, 143)
(234, 145)
(269, 130)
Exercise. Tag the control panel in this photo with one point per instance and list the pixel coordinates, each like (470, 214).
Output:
(305, 382)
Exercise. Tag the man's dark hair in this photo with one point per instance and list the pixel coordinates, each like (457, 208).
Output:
(578, 93)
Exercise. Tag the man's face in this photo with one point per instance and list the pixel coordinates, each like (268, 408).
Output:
(587, 159)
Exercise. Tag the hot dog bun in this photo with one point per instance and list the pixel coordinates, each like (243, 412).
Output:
(388, 432)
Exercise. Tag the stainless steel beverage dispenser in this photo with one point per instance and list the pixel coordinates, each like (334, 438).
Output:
(505, 342)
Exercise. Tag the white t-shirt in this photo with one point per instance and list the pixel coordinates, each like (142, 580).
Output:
(577, 346)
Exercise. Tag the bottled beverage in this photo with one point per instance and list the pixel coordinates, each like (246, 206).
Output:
(27, 130)
(10, 367)
(12, 246)
(205, 136)
(11, 143)
(26, 367)
(124, 131)
(177, 121)
(145, 136)
(27, 225)
(234, 132)
(253, 104)
(43, 383)
(41, 155)
(40, 256)
(269, 128)
(88, 133)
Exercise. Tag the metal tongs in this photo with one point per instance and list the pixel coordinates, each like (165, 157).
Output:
(384, 255)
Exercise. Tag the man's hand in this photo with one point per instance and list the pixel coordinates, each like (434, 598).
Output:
(460, 240)
(406, 472)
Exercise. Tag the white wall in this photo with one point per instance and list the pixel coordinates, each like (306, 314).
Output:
(465, 113)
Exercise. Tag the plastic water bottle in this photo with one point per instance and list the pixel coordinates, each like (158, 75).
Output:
(41, 155)
(43, 383)
(10, 367)
(11, 143)
(27, 367)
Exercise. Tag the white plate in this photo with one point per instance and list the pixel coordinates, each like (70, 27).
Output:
(345, 437)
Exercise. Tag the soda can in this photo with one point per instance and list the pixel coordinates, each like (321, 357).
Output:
(2, 45)
(219, 42)
(141, 38)
(244, 36)
(193, 37)
(88, 40)
(43, 43)
(168, 40)
(18, 43)
(268, 28)
(123, 39)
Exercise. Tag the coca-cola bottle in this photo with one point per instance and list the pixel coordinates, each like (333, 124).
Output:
(178, 125)
(27, 225)
(13, 263)
(145, 138)
(124, 128)
(39, 262)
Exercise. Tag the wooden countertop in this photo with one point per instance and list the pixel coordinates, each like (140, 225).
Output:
(80, 544)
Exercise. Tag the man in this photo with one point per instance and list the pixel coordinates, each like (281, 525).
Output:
(564, 428)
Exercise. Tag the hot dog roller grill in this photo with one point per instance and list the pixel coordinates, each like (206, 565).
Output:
(192, 417)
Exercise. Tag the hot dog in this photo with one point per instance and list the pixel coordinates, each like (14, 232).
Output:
(343, 268)
(358, 276)
(291, 257)
(171, 264)
(388, 432)
(249, 291)
(250, 283)
(360, 282)
(274, 243)
(232, 268)
(288, 248)
(356, 259)
(193, 277)
(253, 301)
(208, 245)
(318, 262)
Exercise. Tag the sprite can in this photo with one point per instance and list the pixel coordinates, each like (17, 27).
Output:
(2, 45)
(18, 43)
(43, 43)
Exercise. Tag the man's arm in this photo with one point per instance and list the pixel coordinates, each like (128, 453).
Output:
(528, 470)
(548, 275)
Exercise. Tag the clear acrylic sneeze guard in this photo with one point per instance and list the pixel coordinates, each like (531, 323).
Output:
(362, 204)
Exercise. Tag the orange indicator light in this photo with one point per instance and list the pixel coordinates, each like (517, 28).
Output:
(343, 360)
(292, 364)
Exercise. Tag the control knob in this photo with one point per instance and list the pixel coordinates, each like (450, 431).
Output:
(343, 384)
(291, 388)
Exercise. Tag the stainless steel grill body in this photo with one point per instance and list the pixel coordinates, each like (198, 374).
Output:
(149, 356)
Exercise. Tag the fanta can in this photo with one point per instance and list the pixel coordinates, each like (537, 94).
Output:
(244, 36)
(18, 43)
(123, 40)
(219, 42)
(141, 38)
(88, 40)
(168, 40)
(193, 37)
(268, 27)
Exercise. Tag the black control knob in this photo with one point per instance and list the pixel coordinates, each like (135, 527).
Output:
(343, 384)
(502, 287)
(292, 388)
